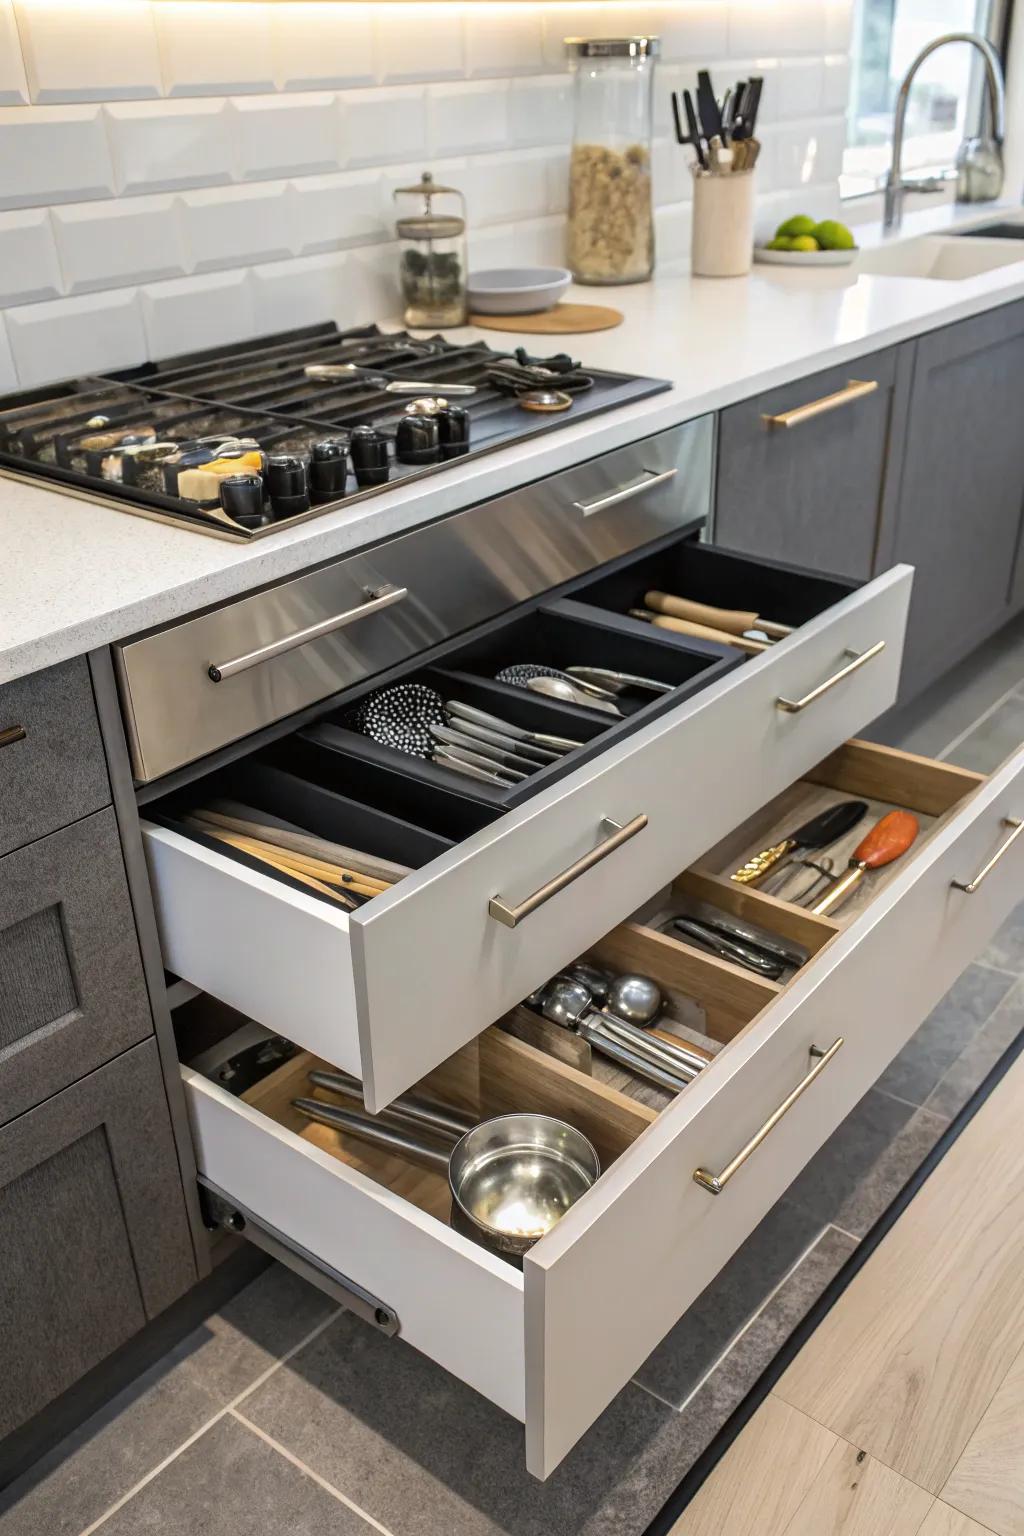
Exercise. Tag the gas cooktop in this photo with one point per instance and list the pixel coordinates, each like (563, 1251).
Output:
(239, 441)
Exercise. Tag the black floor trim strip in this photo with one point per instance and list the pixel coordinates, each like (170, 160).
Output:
(708, 1460)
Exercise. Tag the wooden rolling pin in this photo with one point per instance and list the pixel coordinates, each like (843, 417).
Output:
(700, 631)
(732, 620)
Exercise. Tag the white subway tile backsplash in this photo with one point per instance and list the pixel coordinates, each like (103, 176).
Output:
(219, 47)
(348, 208)
(502, 189)
(28, 257)
(540, 110)
(8, 374)
(98, 52)
(671, 177)
(284, 135)
(231, 226)
(558, 181)
(695, 29)
(468, 118)
(161, 146)
(190, 313)
(672, 226)
(111, 244)
(504, 40)
(800, 85)
(774, 27)
(809, 152)
(429, 50)
(13, 84)
(538, 242)
(299, 292)
(371, 289)
(53, 155)
(838, 25)
(836, 86)
(63, 337)
(320, 46)
(381, 126)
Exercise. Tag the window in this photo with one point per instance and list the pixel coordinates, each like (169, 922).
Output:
(946, 98)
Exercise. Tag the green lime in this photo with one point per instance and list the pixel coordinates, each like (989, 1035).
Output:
(799, 224)
(804, 243)
(780, 243)
(833, 236)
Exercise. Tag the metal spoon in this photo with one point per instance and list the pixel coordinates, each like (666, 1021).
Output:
(517, 732)
(617, 682)
(510, 761)
(555, 688)
(569, 1004)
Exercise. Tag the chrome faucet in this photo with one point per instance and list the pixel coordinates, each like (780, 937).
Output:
(985, 153)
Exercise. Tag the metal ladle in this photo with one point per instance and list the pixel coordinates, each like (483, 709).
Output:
(557, 688)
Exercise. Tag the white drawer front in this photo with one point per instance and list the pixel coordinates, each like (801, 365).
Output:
(648, 1230)
(392, 990)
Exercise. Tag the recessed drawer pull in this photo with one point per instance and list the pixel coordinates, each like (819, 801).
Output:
(12, 734)
(857, 660)
(856, 389)
(384, 597)
(714, 1183)
(970, 886)
(626, 493)
(511, 917)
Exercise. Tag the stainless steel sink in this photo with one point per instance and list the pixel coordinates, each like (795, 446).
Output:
(942, 258)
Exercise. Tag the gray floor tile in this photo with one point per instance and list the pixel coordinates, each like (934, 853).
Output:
(971, 1068)
(684, 1355)
(994, 739)
(89, 1471)
(1007, 948)
(880, 1185)
(946, 1033)
(956, 701)
(231, 1483)
(850, 1155)
(424, 1454)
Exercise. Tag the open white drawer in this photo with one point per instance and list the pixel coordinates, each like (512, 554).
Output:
(391, 990)
(538, 1343)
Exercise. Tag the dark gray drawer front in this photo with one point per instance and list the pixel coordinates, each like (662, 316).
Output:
(52, 769)
(72, 993)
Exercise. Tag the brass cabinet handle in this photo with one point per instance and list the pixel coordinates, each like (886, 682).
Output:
(511, 917)
(714, 1183)
(858, 660)
(650, 479)
(970, 886)
(384, 597)
(856, 389)
(12, 734)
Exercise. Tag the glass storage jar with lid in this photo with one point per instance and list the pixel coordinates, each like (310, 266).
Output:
(611, 217)
(432, 263)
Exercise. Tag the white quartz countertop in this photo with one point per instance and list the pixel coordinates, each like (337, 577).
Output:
(75, 575)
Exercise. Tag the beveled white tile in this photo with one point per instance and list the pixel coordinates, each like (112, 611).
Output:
(801, 86)
(288, 135)
(671, 177)
(417, 47)
(13, 84)
(501, 189)
(8, 374)
(774, 27)
(838, 25)
(836, 84)
(695, 29)
(318, 45)
(219, 47)
(92, 333)
(302, 291)
(383, 125)
(233, 226)
(347, 208)
(672, 225)
(162, 146)
(539, 242)
(28, 258)
(558, 181)
(53, 155)
(504, 40)
(471, 116)
(372, 291)
(540, 110)
(114, 243)
(98, 52)
(190, 313)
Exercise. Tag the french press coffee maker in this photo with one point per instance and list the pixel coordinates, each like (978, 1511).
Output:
(432, 263)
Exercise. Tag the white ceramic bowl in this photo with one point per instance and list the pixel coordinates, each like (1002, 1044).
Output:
(805, 258)
(517, 290)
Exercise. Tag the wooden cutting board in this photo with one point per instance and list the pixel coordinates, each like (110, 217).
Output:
(563, 320)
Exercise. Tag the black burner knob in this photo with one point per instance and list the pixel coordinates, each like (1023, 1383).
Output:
(369, 450)
(418, 440)
(453, 426)
(328, 469)
(241, 497)
(287, 484)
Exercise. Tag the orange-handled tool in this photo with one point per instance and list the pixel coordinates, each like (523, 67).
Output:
(888, 839)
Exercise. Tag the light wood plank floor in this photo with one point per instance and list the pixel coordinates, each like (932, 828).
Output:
(904, 1413)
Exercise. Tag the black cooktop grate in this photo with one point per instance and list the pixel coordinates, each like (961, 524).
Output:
(71, 434)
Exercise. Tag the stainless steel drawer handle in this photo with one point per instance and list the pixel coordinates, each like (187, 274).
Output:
(647, 482)
(12, 734)
(970, 886)
(511, 917)
(714, 1183)
(383, 597)
(857, 660)
(856, 389)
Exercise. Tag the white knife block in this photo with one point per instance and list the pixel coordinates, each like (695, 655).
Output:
(722, 235)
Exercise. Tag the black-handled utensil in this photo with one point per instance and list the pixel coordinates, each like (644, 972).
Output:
(729, 949)
(695, 138)
(821, 830)
(707, 107)
(739, 933)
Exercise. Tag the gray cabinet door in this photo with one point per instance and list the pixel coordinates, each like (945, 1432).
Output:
(72, 993)
(52, 768)
(811, 494)
(93, 1234)
(961, 490)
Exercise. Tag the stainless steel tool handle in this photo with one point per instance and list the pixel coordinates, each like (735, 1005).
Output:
(383, 597)
(511, 917)
(680, 1061)
(642, 1066)
(427, 387)
(856, 389)
(648, 481)
(970, 886)
(12, 734)
(858, 659)
(714, 1183)
(391, 1137)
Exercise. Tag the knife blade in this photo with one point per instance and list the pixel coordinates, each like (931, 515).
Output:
(825, 828)
(707, 107)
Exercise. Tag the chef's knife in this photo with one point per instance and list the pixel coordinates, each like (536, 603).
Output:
(821, 830)
(888, 839)
(707, 107)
